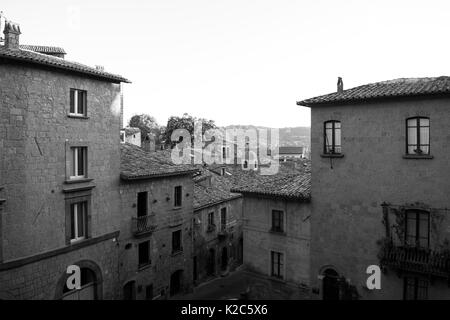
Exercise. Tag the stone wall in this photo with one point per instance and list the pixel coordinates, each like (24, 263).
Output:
(347, 192)
(167, 219)
(205, 241)
(259, 241)
(35, 132)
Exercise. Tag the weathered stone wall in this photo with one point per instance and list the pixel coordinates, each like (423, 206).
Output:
(34, 132)
(259, 240)
(167, 219)
(346, 213)
(205, 240)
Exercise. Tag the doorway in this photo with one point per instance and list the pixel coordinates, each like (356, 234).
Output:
(175, 282)
(129, 291)
(211, 269)
(224, 258)
(330, 285)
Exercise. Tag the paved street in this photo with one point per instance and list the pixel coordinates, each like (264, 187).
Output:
(231, 287)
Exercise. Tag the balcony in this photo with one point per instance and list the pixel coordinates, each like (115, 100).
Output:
(419, 260)
(143, 225)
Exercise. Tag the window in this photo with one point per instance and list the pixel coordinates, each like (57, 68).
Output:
(78, 103)
(417, 228)
(277, 221)
(78, 160)
(122, 136)
(78, 221)
(418, 136)
(211, 219)
(144, 253)
(222, 171)
(176, 241)
(332, 137)
(276, 264)
(415, 288)
(142, 209)
(223, 219)
(178, 196)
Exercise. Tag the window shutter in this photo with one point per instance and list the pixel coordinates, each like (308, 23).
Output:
(72, 101)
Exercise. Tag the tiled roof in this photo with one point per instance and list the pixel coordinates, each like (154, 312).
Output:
(57, 63)
(290, 150)
(289, 186)
(131, 130)
(42, 49)
(138, 164)
(216, 192)
(404, 87)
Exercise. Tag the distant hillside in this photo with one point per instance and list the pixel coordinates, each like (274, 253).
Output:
(296, 136)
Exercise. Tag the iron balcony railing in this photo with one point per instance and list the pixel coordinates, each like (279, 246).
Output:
(415, 259)
(143, 225)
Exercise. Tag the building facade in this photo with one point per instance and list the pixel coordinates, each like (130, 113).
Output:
(59, 205)
(218, 238)
(276, 229)
(380, 181)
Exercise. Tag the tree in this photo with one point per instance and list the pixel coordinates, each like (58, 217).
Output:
(147, 124)
(185, 122)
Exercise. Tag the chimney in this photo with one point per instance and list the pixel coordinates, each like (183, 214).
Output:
(340, 85)
(149, 143)
(12, 33)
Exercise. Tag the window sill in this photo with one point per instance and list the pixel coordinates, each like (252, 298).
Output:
(82, 180)
(176, 208)
(277, 279)
(143, 267)
(417, 156)
(331, 155)
(280, 233)
(75, 116)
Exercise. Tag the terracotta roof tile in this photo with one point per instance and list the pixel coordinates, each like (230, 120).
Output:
(139, 164)
(42, 49)
(403, 87)
(58, 63)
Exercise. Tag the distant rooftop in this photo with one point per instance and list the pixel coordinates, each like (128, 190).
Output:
(290, 150)
(289, 186)
(403, 87)
(136, 164)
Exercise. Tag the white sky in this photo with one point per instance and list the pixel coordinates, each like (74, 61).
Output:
(241, 61)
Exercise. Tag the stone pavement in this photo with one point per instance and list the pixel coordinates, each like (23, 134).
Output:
(241, 281)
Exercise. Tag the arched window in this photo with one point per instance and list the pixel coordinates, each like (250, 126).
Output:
(332, 137)
(418, 136)
(417, 228)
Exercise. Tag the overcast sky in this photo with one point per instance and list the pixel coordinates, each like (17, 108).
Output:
(241, 61)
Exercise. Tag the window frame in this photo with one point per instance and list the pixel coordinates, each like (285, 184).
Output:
(333, 137)
(180, 240)
(178, 196)
(419, 283)
(74, 207)
(279, 263)
(149, 251)
(223, 221)
(418, 143)
(74, 98)
(417, 229)
(281, 222)
(73, 170)
(70, 199)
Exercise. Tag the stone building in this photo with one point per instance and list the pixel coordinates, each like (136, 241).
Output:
(155, 243)
(380, 189)
(276, 227)
(218, 242)
(59, 164)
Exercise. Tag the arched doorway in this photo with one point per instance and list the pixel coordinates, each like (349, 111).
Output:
(224, 259)
(129, 291)
(175, 282)
(88, 289)
(211, 268)
(330, 285)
